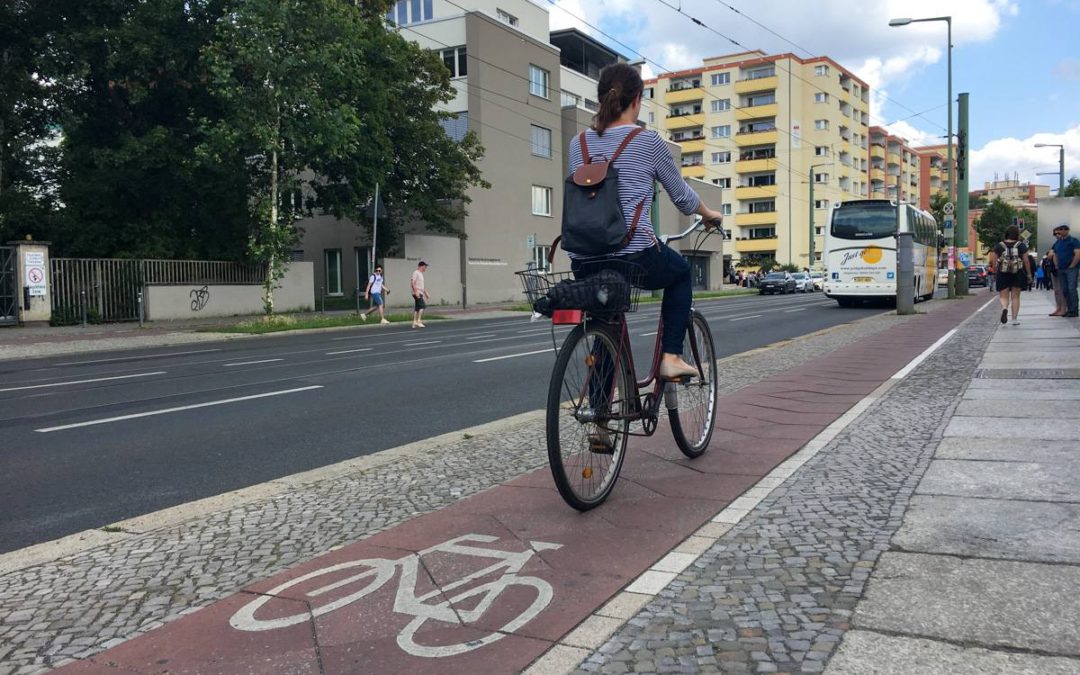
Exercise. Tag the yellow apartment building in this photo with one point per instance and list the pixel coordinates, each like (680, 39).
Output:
(762, 127)
(890, 158)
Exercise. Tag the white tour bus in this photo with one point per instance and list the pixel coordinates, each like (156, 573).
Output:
(860, 250)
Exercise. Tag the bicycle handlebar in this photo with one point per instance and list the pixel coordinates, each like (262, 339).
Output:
(698, 220)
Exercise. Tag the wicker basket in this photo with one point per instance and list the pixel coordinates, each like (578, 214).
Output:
(602, 287)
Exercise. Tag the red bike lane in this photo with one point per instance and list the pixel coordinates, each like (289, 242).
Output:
(489, 583)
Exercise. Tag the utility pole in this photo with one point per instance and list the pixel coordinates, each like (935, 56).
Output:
(905, 263)
(374, 227)
(962, 192)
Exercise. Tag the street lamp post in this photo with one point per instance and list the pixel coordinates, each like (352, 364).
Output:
(952, 169)
(810, 262)
(1061, 164)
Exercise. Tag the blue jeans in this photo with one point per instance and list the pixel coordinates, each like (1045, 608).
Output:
(666, 268)
(1067, 278)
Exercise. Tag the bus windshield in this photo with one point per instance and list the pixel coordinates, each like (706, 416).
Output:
(864, 220)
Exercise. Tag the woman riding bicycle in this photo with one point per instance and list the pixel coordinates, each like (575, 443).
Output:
(645, 160)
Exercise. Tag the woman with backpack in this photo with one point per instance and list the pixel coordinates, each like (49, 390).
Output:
(1010, 263)
(640, 158)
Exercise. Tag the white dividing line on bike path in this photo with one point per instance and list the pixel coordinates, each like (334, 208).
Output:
(181, 408)
(577, 645)
(514, 356)
(71, 382)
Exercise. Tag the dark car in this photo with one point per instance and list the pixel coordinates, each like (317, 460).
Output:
(977, 275)
(777, 282)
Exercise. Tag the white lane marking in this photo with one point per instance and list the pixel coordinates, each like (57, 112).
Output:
(132, 358)
(348, 351)
(744, 318)
(164, 411)
(513, 356)
(900, 374)
(477, 337)
(96, 379)
(251, 363)
(797, 309)
(370, 334)
(417, 344)
(648, 334)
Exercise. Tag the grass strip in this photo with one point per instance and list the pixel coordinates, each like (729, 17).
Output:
(277, 323)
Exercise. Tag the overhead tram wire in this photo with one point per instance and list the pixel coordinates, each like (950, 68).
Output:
(807, 51)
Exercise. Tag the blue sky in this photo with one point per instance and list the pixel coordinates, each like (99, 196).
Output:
(1018, 59)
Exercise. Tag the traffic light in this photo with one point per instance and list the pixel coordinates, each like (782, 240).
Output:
(961, 154)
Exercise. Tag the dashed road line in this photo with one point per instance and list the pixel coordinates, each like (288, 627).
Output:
(512, 356)
(251, 363)
(349, 351)
(96, 379)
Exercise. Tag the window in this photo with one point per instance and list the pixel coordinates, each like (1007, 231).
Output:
(541, 201)
(821, 204)
(404, 12)
(821, 97)
(721, 78)
(722, 104)
(456, 127)
(721, 131)
(722, 182)
(541, 141)
(538, 81)
(721, 157)
(506, 18)
(762, 207)
(297, 255)
(821, 71)
(821, 178)
(725, 209)
(762, 232)
(821, 151)
(332, 258)
(540, 258)
(759, 73)
(647, 92)
(455, 61)
(819, 230)
(652, 118)
(821, 124)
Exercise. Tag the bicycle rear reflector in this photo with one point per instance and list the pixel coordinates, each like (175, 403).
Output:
(563, 317)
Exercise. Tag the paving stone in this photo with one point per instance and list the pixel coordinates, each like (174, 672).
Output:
(1003, 480)
(1034, 412)
(1004, 428)
(990, 603)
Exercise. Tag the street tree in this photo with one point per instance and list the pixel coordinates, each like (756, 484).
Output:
(937, 207)
(323, 101)
(998, 215)
(1072, 188)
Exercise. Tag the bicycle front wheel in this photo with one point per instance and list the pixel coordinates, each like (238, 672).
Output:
(590, 401)
(692, 406)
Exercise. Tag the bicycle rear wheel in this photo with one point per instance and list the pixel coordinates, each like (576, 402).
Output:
(692, 406)
(588, 410)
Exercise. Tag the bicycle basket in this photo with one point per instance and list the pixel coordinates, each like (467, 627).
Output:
(599, 287)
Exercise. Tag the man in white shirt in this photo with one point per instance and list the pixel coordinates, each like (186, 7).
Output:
(419, 294)
(376, 287)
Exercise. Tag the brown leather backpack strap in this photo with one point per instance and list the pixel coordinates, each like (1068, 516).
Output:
(633, 223)
(554, 247)
(584, 148)
(626, 141)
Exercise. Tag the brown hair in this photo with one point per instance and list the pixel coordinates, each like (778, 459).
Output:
(620, 84)
(1012, 233)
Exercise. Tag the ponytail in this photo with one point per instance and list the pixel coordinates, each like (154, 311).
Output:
(620, 85)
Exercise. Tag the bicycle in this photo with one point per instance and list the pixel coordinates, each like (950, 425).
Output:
(594, 394)
(459, 609)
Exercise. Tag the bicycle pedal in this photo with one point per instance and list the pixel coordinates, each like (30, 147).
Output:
(682, 379)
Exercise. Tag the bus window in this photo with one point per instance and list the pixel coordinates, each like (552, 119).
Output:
(864, 220)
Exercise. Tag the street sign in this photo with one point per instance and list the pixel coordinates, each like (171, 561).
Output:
(949, 209)
(948, 227)
(965, 258)
(530, 241)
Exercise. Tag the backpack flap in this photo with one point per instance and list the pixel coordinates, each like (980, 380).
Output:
(590, 175)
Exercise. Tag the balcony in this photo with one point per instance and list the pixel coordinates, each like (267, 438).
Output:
(758, 245)
(672, 97)
(685, 121)
(756, 138)
(894, 158)
(766, 218)
(694, 171)
(755, 165)
(757, 84)
(756, 192)
(877, 151)
(751, 112)
(692, 145)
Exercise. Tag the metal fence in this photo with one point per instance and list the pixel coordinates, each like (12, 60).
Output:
(107, 289)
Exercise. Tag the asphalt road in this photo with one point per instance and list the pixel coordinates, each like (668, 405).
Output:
(92, 439)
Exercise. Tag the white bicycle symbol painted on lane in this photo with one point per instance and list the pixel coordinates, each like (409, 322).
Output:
(375, 572)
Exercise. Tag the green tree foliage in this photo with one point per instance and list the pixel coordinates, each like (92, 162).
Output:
(1072, 188)
(937, 207)
(998, 215)
(324, 102)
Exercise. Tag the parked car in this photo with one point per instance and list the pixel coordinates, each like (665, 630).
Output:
(943, 277)
(803, 282)
(777, 282)
(978, 275)
(819, 280)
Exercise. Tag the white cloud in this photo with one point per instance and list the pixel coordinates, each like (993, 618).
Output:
(915, 137)
(1006, 156)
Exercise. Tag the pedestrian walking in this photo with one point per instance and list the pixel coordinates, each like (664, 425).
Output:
(375, 292)
(419, 294)
(1009, 261)
(1031, 273)
(1066, 254)
(1048, 269)
(1040, 278)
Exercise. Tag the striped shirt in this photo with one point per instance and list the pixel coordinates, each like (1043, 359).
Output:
(645, 160)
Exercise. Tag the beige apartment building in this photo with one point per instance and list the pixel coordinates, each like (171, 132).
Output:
(525, 91)
(890, 158)
(761, 127)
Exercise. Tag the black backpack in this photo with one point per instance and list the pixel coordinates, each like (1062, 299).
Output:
(592, 219)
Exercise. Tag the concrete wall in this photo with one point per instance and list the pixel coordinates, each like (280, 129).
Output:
(297, 292)
(35, 255)
(1054, 211)
(442, 280)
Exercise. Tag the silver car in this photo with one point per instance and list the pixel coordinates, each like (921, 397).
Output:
(803, 282)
